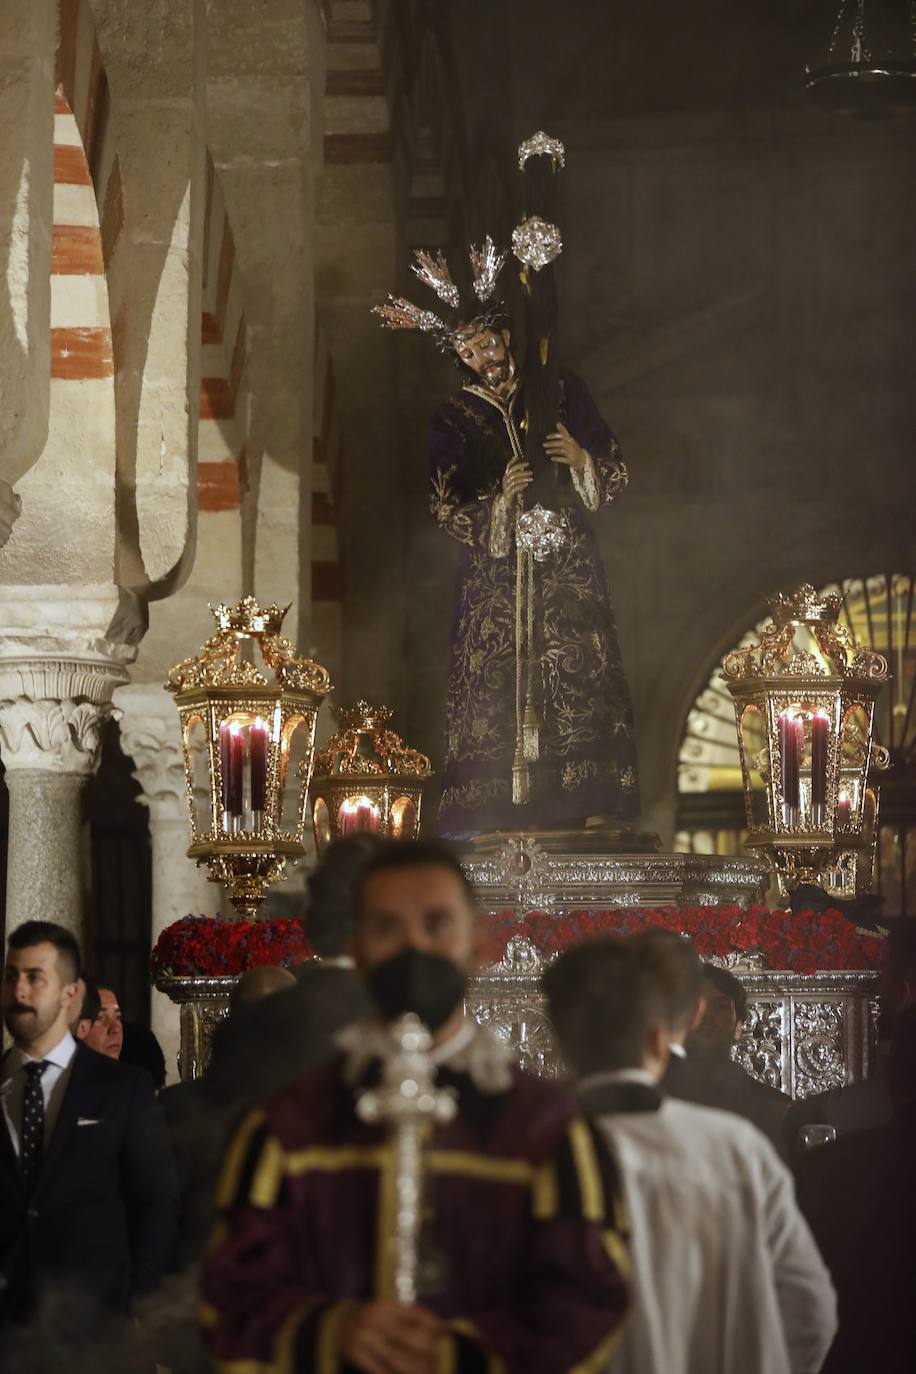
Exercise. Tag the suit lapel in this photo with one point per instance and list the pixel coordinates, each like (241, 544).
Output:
(9, 1160)
(8, 1157)
(80, 1074)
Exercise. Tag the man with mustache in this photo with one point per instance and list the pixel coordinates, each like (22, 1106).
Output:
(519, 1258)
(87, 1187)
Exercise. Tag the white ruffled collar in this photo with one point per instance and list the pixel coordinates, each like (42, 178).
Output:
(471, 1050)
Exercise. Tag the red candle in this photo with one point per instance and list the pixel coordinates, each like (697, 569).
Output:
(788, 760)
(358, 814)
(819, 727)
(257, 752)
(346, 818)
(843, 812)
(236, 770)
(367, 817)
(225, 762)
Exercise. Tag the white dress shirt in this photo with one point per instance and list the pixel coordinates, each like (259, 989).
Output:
(726, 1274)
(54, 1082)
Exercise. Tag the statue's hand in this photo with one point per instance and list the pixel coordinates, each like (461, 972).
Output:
(561, 447)
(515, 479)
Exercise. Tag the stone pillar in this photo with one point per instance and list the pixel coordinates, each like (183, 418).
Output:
(150, 734)
(51, 713)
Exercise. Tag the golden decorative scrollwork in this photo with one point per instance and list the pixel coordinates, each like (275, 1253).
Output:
(341, 755)
(219, 664)
(777, 655)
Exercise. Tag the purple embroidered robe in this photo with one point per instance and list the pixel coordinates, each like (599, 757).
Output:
(588, 758)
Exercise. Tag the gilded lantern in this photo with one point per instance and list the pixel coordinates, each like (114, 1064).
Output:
(367, 779)
(804, 703)
(249, 741)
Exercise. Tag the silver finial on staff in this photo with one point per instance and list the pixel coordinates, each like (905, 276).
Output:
(405, 1101)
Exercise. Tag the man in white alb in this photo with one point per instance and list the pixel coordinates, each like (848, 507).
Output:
(726, 1274)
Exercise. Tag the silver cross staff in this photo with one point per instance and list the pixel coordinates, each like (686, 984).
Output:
(405, 1101)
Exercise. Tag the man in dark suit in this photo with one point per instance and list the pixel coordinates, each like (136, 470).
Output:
(866, 1104)
(715, 1079)
(87, 1183)
(859, 1195)
(267, 1041)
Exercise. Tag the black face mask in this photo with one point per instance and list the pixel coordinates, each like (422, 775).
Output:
(412, 980)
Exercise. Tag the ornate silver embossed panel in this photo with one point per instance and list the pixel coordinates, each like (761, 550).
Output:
(805, 1033)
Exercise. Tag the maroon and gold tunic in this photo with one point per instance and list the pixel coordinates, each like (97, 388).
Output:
(522, 1245)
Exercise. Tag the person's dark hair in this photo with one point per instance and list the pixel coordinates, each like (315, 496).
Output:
(142, 1049)
(31, 933)
(332, 893)
(901, 1059)
(92, 1002)
(603, 1000)
(394, 855)
(674, 961)
(730, 986)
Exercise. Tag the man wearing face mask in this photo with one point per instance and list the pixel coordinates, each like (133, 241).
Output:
(519, 1260)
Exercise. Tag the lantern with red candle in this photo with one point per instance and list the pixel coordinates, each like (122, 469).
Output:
(257, 727)
(366, 779)
(813, 689)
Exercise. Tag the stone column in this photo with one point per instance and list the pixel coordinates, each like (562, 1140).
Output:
(150, 734)
(51, 713)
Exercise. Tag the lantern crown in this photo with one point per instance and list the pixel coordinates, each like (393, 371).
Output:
(220, 664)
(805, 606)
(805, 621)
(249, 620)
(364, 745)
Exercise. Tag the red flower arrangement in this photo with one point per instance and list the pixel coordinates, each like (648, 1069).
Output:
(806, 942)
(206, 946)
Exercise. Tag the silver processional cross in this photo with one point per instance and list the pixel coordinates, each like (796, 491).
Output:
(405, 1101)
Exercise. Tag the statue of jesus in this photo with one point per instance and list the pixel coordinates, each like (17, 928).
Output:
(478, 479)
(539, 725)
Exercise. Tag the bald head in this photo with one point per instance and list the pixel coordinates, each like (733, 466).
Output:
(259, 982)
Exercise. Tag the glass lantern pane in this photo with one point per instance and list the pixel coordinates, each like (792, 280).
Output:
(295, 762)
(321, 821)
(403, 819)
(753, 739)
(854, 739)
(199, 755)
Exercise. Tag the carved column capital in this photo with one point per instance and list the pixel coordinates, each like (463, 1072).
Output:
(151, 735)
(52, 710)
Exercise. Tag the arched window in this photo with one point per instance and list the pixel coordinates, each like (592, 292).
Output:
(880, 611)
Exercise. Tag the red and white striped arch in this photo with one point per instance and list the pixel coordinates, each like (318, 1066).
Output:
(88, 208)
